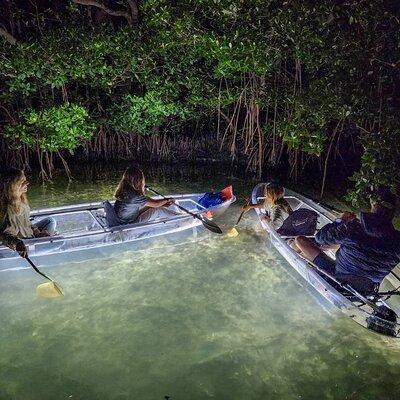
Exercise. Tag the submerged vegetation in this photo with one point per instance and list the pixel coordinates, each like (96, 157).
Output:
(266, 83)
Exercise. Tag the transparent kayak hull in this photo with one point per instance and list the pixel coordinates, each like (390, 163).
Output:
(83, 232)
(362, 314)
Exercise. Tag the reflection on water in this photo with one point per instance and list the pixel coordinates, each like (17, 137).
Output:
(208, 317)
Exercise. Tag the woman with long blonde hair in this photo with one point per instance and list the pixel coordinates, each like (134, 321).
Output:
(276, 207)
(132, 205)
(15, 223)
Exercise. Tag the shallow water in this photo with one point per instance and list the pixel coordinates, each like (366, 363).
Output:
(211, 317)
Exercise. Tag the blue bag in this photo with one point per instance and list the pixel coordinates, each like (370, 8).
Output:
(210, 200)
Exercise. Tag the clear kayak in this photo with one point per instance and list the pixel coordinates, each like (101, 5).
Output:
(83, 232)
(364, 312)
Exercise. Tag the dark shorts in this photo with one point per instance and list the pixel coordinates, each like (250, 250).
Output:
(326, 263)
(359, 283)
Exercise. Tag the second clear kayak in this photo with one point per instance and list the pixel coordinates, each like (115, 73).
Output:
(365, 311)
(83, 228)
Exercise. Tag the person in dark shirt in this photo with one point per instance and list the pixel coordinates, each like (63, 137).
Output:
(369, 247)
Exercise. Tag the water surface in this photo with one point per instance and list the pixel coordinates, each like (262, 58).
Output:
(206, 318)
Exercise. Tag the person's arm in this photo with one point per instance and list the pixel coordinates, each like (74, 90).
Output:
(13, 242)
(8, 239)
(152, 203)
(332, 234)
(336, 232)
(276, 216)
(249, 207)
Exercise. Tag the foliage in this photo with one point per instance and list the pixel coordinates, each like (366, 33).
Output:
(67, 56)
(52, 129)
(143, 114)
(380, 161)
(307, 66)
(311, 112)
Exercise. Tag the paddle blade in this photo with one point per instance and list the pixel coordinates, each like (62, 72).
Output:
(49, 290)
(232, 232)
(210, 225)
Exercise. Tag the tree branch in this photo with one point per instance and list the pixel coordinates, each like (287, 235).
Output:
(6, 35)
(107, 10)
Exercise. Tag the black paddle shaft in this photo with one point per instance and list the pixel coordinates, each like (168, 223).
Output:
(242, 213)
(210, 225)
(36, 268)
(348, 288)
(179, 206)
(240, 218)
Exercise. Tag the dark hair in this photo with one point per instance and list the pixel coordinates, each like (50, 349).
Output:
(131, 182)
(273, 192)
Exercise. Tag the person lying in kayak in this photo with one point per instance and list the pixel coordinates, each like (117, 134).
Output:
(276, 207)
(132, 205)
(369, 247)
(14, 213)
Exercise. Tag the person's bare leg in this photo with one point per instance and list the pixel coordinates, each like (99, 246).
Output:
(309, 249)
(292, 243)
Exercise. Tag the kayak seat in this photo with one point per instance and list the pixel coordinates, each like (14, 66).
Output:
(111, 217)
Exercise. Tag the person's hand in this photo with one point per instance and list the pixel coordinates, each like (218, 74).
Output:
(245, 208)
(207, 215)
(21, 249)
(169, 202)
(266, 218)
(347, 216)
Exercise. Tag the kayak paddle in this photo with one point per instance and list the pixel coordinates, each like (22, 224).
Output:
(233, 231)
(48, 289)
(346, 287)
(208, 224)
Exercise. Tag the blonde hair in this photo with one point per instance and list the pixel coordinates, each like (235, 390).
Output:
(132, 181)
(9, 199)
(273, 192)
